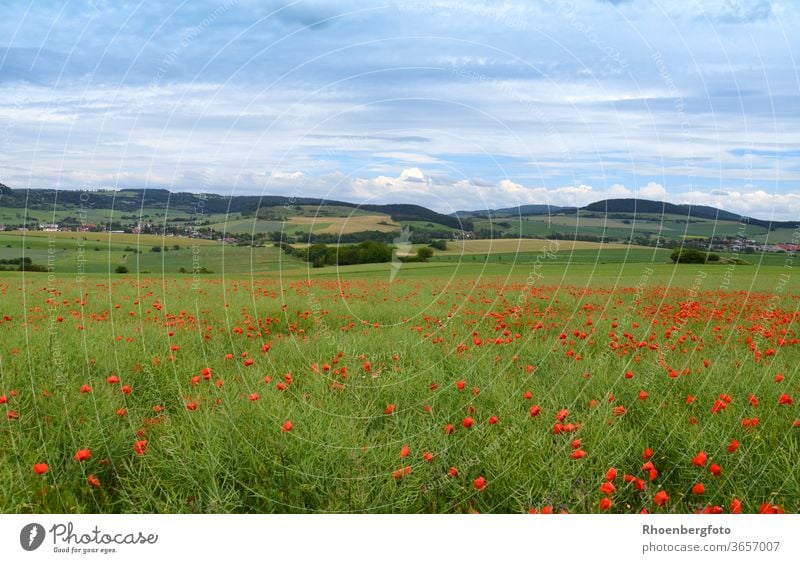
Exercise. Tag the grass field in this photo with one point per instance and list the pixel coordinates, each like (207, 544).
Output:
(582, 379)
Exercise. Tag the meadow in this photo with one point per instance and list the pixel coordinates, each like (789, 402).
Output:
(574, 379)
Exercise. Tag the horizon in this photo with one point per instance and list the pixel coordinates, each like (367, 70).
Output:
(444, 104)
(324, 200)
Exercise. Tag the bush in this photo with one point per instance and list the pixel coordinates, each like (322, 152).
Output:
(692, 256)
(121, 269)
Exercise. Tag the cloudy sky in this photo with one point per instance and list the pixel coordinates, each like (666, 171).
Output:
(453, 105)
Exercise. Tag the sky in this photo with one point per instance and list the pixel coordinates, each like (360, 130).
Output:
(451, 105)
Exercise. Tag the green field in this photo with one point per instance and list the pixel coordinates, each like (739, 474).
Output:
(366, 363)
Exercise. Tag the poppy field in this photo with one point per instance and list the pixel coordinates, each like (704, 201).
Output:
(433, 393)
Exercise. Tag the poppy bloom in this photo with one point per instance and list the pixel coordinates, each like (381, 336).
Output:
(82, 455)
(404, 451)
(427, 456)
(785, 399)
(121, 411)
(661, 498)
(93, 481)
(480, 483)
(40, 468)
(287, 426)
(400, 473)
(452, 472)
(85, 388)
(698, 489)
(561, 415)
(575, 444)
(611, 474)
(535, 410)
(253, 396)
(647, 453)
(157, 409)
(125, 389)
(248, 362)
(778, 378)
(139, 446)
(577, 454)
(700, 459)
(192, 406)
(460, 385)
(642, 395)
(628, 374)
(715, 469)
(468, 422)
(493, 420)
(527, 395)
(449, 429)
(112, 379)
(736, 506)
(733, 446)
(605, 503)
(390, 408)
(607, 488)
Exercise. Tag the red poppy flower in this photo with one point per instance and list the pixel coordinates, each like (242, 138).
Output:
(404, 451)
(452, 472)
(112, 379)
(121, 411)
(698, 489)
(715, 469)
(467, 422)
(390, 408)
(125, 389)
(93, 481)
(577, 454)
(642, 395)
(535, 410)
(700, 459)
(661, 498)
(40, 468)
(575, 444)
(733, 446)
(191, 406)
(561, 415)
(689, 399)
(427, 456)
(785, 399)
(628, 374)
(493, 420)
(139, 446)
(736, 506)
(605, 503)
(607, 488)
(647, 453)
(400, 473)
(157, 409)
(527, 395)
(248, 362)
(83, 455)
(85, 388)
(611, 474)
(449, 429)
(287, 426)
(480, 483)
(460, 385)
(778, 378)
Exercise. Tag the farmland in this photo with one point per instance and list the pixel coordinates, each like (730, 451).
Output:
(580, 378)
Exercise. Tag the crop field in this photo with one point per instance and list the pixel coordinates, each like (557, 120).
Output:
(535, 384)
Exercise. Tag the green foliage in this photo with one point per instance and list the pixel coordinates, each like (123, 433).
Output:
(692, 256)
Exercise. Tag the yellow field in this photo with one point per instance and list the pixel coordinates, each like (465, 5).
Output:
(346, 225)
(489, 246)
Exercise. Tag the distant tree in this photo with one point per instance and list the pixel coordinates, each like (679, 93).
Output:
(424, 253)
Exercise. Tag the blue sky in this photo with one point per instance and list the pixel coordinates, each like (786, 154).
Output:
(453, 105)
